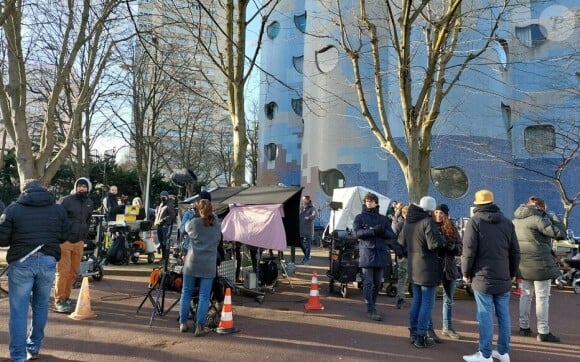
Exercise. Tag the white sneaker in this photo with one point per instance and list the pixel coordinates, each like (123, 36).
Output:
(477, 357)
(501, 357)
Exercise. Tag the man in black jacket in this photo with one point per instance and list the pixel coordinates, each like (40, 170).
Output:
(33, 227)
(490, 260)
(79, 208)
(372, 230)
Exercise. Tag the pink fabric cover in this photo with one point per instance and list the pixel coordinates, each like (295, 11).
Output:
(257, 225)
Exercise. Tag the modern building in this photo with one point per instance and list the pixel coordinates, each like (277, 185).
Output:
(506, 126)
(182, 92)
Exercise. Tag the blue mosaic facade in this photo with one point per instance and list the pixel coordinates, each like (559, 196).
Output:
(521, 82)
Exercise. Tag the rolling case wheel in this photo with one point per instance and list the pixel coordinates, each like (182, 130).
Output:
(99, 276)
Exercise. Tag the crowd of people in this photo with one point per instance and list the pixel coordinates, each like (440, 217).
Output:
(494, 251)
(45, 251)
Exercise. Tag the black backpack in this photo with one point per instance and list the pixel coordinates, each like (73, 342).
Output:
(118, 253)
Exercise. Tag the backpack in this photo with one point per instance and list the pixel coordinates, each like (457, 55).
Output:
(118, 253)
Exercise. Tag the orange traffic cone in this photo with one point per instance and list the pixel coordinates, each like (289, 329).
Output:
(518, 291)
(314, 300)
(83, 308)
(226, 325)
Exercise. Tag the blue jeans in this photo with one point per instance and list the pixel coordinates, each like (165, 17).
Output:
(190, 283)
(306, 243)
(448, 290)
(163, 237)
(29, 283)
(372, 279)
(486, 303)
(421, 308)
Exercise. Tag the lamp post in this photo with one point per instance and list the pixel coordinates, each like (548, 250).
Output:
(108, 155)
(150, 141)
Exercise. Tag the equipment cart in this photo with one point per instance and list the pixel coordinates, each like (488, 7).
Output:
(343, 257)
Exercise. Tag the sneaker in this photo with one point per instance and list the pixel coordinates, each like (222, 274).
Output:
(422, 341)
(450, 332)
(183, 328)
(62, 307)
(548, 337)
(31, 355)
(501, 357)
(526, 332)
(431, 334)
(201, 330)
(477, 357)
(374, 315)
(400, 303)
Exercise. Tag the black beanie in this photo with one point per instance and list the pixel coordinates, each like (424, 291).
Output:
(204, 195)
(444, 208)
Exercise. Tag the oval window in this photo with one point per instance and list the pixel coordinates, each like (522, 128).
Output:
(300, 22)
(330, 180)
(327, 58)
(271, 151)
(297, 106)
(298, 63)
(271, 109)
(450, 181)
(273, 29)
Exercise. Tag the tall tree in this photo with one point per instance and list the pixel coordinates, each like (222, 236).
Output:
(41, 44)
(424, 38)
(220, 29)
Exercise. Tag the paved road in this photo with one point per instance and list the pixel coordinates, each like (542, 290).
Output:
(279, 329)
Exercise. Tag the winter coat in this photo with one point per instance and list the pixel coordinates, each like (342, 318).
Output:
(373, 248)
(201, 257)
(454, 247)
(422, 239)
(110, 206)
(34, 219)
(165, 213)
(307, 217)
(79, 208)
(535, 231)
(491, 253)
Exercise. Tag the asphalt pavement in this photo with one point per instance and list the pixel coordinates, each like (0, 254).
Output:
(277, 329)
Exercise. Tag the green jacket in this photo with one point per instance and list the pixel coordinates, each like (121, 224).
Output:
(535, 230)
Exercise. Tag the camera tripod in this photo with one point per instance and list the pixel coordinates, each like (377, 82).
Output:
(159, 288)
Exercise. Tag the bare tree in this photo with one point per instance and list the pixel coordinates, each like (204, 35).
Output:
(427, 70)
(220, 29)
(41, 44)
(553, 160)
(253, 150)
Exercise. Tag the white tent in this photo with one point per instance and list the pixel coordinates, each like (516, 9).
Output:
(352, 201)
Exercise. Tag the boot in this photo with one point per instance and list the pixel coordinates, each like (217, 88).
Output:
(422, 341)
(431, 334)
(412, 335)
(201, 330)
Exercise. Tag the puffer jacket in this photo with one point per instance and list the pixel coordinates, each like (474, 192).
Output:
(535, 231)
(372, 248)
(33, 220)
(491, 254)
(422, 239)
(79, 208)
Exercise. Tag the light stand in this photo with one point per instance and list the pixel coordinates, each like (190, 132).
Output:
(160, 285)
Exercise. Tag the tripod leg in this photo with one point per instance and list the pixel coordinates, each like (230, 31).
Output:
(149, 296)
(158, 307)
(283, 266)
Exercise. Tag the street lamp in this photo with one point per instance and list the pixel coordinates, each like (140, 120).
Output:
(150, 141)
